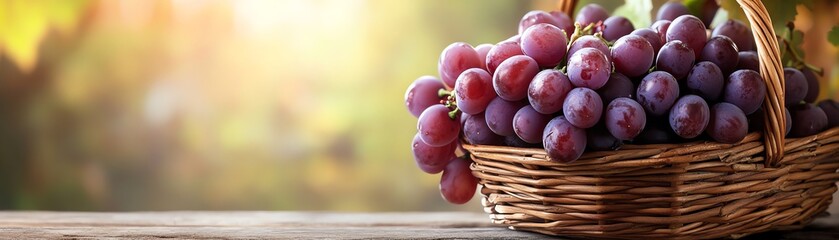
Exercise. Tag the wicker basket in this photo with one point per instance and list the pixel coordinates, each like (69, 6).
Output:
(675, 191)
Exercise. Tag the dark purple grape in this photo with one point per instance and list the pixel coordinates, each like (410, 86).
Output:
(676, 58)
(591, 13)
(812, 85)
(654, 133)
(807, 119)
(661, 27)
(499, 116)
(482, 51)
(536, 17)
(671, 10)
(473, 90)
(435, 126)
(831, 109)
(616, 27)
(457, 184)
(706, 80)
(563, 22)
(689, 116)
(563, 141)
(689, 30)
(455, 59)
(599, 139)
(721, 51)
(589, 41)
(625, 118)
(789, 120)
(728, 123)
(529, 124)
(589, 68)
(547, 91)
(423, 93)
(657, 92)
(544, 43)
(476, 131)
(632, 55)
(513, 76)
(432, 159)
(746, 89)
(795, 86)
(500, 52)
(582, 107)
(738, 32)
(748, 60)
(651, 36)
(617, 86)
(708, 12)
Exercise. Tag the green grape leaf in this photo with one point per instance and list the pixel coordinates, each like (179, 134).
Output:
(833, 36)
(781, 12)
(795, 40)
(637, 11)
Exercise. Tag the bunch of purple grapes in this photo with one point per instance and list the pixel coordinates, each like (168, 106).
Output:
(596, 83)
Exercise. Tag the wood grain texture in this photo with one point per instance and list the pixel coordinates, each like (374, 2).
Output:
(291, 225)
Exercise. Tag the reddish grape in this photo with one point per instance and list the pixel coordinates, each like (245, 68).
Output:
(455, 59)
(689, 116)
(582, 107)
(473, 90)
(746, 89)
(589, 41)
(591, 13)
(435, 126)
(616, 27)
(544, 43)
(563, 141)
(535, 17)
(738, 32)
(657, 92)
(423, 93)
(432, 159)
(625, 118)
(676, 58)
(727, 124)
(513, 77)
(661, 27)
(689, 30)
(617, 86)
(632, 55)
(529, 124)
(721, 51)
(706, 80)
(500, 52)
(458, 185)
(476, 131)
(589, 68)
(482, 51)
(499, 116)
(671, 10)
(651, 36)
(563, 22)
(547, 91)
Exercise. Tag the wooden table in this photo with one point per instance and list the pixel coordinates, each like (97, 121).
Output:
(292, 225)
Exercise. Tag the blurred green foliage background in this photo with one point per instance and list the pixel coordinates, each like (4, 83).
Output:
(189, 104)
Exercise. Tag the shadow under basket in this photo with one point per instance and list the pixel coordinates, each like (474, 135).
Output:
(674, 191)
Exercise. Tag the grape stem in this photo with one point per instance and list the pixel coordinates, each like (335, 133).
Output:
(443, 92)
(798, 61)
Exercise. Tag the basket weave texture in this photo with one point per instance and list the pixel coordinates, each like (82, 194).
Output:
(675, 191)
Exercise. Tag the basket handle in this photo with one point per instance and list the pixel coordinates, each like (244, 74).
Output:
(771, 70)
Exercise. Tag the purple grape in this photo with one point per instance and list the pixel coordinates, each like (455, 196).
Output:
(748, 60)
(706, 80)
(599, 139)
(499, 116)
(721, 51)
(617, 86)
(689, 30)
(727, 124)
(455, 59)
(435, 126)
(708, 11)
(473, 90)
(795, 86)
(563, 141)
(807, 120)
(535, 17)
(812, 85)
(738, 32)
(482, 51)
(589, 68)
(423, 93)
(671, 10)
(616, 27)
(591, 13)
(656, 134)
(563, 22)
(513, 76)
(432, 159)
(689, 116)
(500, 52)
(457, 184)
(547, 91)
(746, 89)
(476, 131)
(632, 55)
(789, 120)
(582, 107)
(529, 124)
(544, 43)
(676, 58)
(657, 92)
(831, 110)
(589, 41)
(625, 118)
(661, 27)
(651, 36)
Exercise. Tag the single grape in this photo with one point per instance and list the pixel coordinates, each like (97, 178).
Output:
(499, 116)
(657, 92)
(529, 124)
(831, 110)
(435, 126)
(476, 131)
(589, 68)
(500, 52)
(795, 86)
(513, 77)
(661, 27)
(455, 59)
(591, 13)
(738, 32)
(616, 27)
(536, 17)
(589, 41)
(690, 116)
(515, 38)
(676, 58)
(689, 30)
(473, 90)
(617, 86)
(457, 184)
(582, 107)
(671, 10)
(651, 36)
(746, 89)
(563, 141)
(625, 118)
(727, 124)
(812, 85)
(706, 80)
(599, 139)
(423, 93)
(708, 12)
(632, 55)
(432, 159)
(544, 43)
(563, 22)
(721, 51)
(748, 60)
(807, 120)
(547, 91)
(482, 51)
